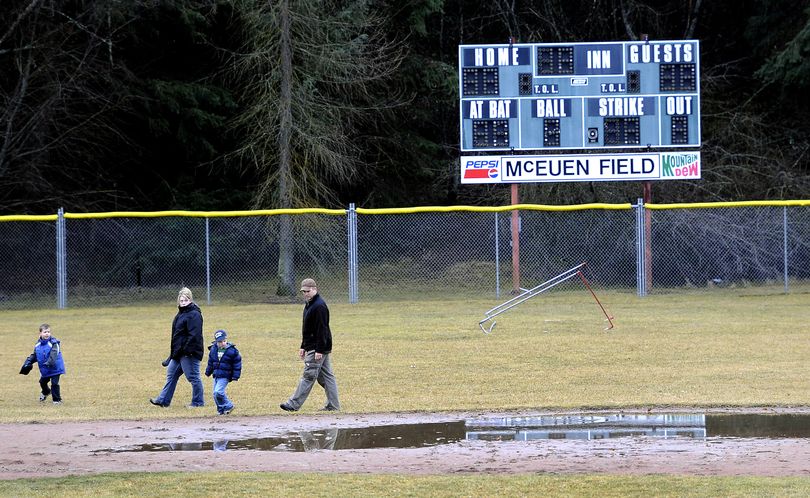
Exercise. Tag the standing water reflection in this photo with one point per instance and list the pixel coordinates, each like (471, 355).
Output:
(570, 426)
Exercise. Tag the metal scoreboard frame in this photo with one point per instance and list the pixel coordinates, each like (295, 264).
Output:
(555, 97)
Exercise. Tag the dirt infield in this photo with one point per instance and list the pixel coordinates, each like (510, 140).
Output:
(77, 448)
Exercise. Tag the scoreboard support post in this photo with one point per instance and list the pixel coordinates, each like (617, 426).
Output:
(515, 241)
(647, 189)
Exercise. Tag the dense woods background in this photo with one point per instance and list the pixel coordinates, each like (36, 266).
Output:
(214, 104)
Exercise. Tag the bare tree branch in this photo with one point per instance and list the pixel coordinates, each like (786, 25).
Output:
(692, 21)
(11, 113)
(19, 19)
(628, 27)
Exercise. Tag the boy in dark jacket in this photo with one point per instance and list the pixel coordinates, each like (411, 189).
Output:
(48, 355)
(225, 363)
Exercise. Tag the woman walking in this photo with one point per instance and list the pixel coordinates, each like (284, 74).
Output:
(186, 352)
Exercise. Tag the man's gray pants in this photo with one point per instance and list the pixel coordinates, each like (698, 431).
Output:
(320, 371)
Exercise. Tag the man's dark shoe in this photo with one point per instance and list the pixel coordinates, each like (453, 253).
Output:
(152, 400)
(328, 409)
(165, 362)
(287, 408)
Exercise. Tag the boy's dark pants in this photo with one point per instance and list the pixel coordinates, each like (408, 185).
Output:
(43, 383)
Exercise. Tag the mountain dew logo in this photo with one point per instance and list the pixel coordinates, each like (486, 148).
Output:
(681, 165)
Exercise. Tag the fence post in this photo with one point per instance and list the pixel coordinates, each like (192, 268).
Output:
(61, 261)
(641, 263)
(207, 262)
(351, 224)
(785, 248)
(497, 259)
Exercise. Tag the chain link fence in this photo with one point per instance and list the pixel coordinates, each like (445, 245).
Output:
(27, 264)
(398, 254)
(729, 247)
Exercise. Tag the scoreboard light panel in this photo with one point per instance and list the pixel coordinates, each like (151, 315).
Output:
(616, 95)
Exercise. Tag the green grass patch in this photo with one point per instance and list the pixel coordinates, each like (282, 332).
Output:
(285, 484)
(550, 352)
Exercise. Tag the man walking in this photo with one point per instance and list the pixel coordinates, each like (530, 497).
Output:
(315, 351)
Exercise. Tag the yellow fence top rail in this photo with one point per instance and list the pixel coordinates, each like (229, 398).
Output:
(405, 210)
(701, 205)
(489, 209)
(202, 214)
(28, 217)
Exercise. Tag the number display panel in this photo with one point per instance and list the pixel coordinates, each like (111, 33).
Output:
(561, 96)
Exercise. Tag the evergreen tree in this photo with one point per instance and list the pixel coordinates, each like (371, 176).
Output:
(308, 75)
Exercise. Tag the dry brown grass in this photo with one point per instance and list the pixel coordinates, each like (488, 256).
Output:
(724, 348)
(275, 484)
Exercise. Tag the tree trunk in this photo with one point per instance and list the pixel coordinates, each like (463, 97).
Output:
(286, 283)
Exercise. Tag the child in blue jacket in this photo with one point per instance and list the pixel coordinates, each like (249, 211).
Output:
(225, 363)
(48, 355)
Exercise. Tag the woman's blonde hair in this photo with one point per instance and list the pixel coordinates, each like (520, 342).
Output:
(185, 291)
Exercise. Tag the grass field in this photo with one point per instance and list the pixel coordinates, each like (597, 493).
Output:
(279, 484)
(724, 348)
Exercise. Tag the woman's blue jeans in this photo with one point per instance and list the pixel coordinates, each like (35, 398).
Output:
(191, 368)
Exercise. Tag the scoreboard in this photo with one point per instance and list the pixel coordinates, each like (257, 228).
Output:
(611, 96)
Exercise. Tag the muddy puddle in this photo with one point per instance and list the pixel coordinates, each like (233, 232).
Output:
(558, 427)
